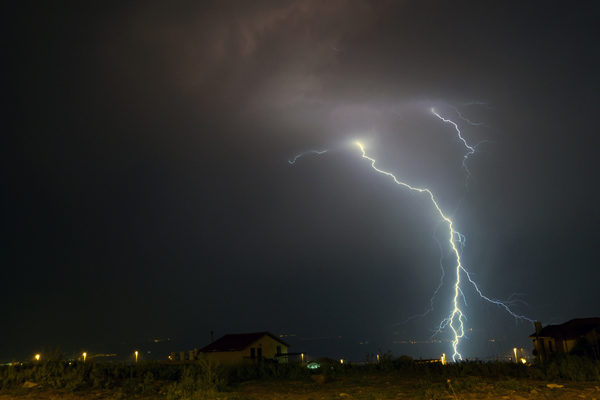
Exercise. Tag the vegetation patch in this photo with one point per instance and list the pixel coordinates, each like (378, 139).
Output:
(391, 378)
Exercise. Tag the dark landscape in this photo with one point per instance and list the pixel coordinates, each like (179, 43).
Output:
(392, 378)
(300, 199)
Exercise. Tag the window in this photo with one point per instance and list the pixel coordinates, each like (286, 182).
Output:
(252, 352)
(259, 353)
(278, 350)
(550, 346)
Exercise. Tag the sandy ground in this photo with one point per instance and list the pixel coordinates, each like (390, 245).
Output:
(408, 390)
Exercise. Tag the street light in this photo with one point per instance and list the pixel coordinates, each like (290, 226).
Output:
(37, 357)
(136, 355)
(84, 356)
(515, 351)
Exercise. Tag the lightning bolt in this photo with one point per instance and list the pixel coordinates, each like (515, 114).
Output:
(455, 319)
(470, 149)
(467, 120)
(456, 241)
(461, 239)
(292, 161)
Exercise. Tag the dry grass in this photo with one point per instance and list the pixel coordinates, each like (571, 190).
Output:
(402, 378)
(364, 387)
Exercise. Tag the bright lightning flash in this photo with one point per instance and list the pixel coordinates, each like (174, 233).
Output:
(455, 320)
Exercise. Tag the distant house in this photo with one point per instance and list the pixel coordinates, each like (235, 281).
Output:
(246, 347)
(564, 338)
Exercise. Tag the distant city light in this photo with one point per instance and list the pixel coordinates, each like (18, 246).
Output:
(443, 359)
(84, 355)
(136, 355)
(37, 357)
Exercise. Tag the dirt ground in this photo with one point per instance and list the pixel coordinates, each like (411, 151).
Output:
(363, 388)
(390, 389)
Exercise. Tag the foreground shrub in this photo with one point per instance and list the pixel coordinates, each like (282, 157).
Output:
(198, 381)
(572, 368)
(205, 377)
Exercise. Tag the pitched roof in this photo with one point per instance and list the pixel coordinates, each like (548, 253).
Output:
(571, 329)
(237, 342)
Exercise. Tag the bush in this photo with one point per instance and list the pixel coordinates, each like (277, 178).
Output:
(572, 368)
(198, 381)
(207, 378)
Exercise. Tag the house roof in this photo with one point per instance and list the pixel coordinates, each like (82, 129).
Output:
(569, 330)
(237, 342)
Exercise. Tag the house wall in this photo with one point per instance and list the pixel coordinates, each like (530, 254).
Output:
(225, 357)
(545, 346)
(569, 344)
(269, 347)
(594, 338)
(266, 343)
(539, 347)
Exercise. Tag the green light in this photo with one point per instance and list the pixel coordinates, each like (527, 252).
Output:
(313, 365)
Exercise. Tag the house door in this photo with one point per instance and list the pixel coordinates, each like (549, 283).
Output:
(259, 353)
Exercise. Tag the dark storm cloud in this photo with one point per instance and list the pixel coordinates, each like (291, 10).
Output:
(233, 49)
(148, 187)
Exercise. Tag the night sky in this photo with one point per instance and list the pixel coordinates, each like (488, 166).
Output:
(146, 190)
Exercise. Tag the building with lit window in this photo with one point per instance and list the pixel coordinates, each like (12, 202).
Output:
(580, 336)
(246, 347)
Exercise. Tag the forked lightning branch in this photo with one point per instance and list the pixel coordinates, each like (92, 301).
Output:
(454, 320)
